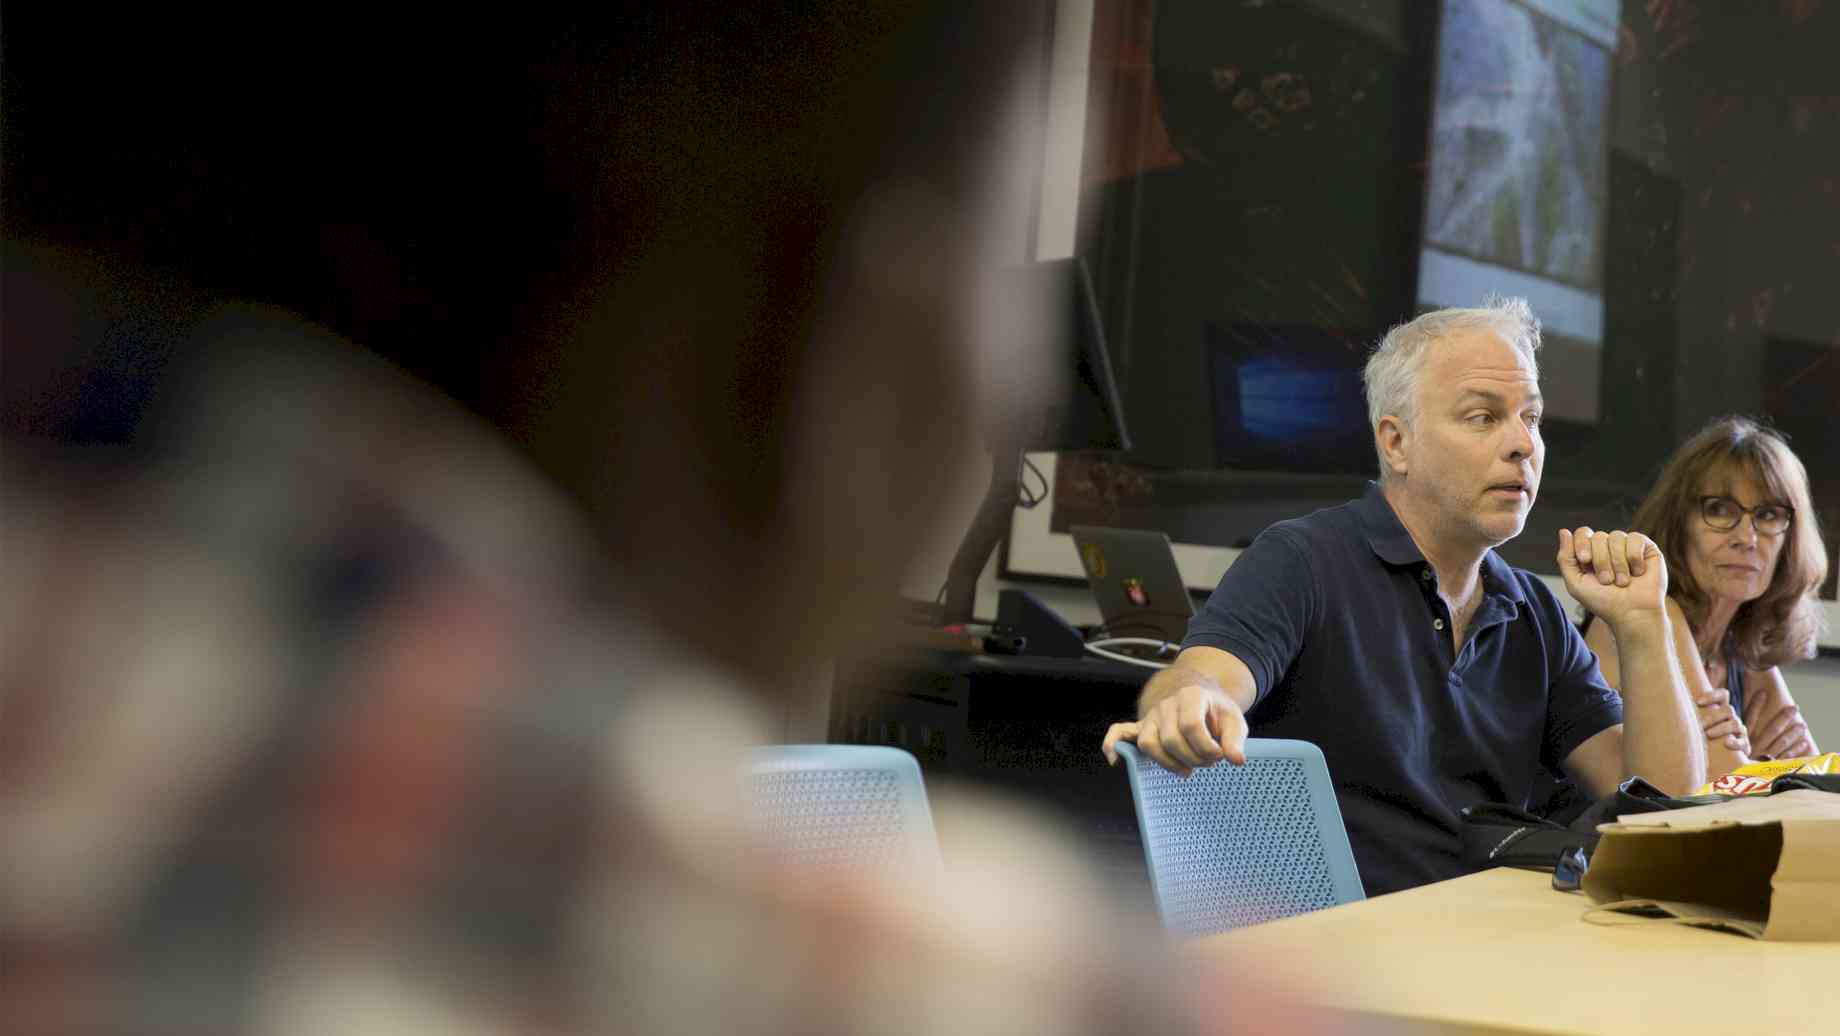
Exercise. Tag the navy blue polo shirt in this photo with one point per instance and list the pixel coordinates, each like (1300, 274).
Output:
(1338, 617)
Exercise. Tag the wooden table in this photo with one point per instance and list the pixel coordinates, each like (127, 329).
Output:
(1500, 951)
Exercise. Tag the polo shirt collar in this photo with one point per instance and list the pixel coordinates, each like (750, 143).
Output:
(1385, 533)
(1498, 578)
(1393, 544)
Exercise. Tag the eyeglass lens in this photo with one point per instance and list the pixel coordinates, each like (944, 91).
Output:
(1724, 514)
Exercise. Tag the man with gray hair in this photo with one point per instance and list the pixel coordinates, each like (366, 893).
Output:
(1388, 632)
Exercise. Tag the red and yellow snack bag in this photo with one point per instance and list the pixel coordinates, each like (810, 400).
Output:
(1755, 778)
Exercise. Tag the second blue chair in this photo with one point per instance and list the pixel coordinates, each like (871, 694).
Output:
(842, 807)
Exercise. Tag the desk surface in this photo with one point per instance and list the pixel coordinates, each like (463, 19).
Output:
(1500, 950)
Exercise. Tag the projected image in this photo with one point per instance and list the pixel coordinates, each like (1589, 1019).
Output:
(1517, 161)
(1518, 181)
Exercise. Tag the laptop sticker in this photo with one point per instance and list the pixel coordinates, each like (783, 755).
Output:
(1134, 589)
(1094, 559)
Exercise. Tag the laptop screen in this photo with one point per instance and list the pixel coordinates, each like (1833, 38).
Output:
(1135, 581)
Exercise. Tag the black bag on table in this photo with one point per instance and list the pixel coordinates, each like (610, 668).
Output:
(1499, 835)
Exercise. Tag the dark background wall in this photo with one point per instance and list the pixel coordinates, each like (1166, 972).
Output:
(1722, 244)
(436, 188)
(381, 174)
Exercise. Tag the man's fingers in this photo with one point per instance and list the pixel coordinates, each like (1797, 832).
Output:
(1716, 696)
(1567, 556)
(1151, 742)
(1618, 546)
(1118, 732)
(1601, 562)
(1162, 759)
(1230, 729)
(1177, 748)
(1574, 555)
(1581, 546)
(1639, 548)
(1192, 721)
(1193, 728)
(1585, 552)
(1614, 557)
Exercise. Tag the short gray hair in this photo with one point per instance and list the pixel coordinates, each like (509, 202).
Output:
(1392, 373)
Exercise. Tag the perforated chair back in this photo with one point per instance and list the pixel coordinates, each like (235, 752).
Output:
(841, 808)
(1236, 845)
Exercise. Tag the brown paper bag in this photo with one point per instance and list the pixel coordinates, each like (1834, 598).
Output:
(1767, 867)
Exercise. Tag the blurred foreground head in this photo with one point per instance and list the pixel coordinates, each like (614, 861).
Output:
(322, 707)
(748, 351)
(761, 388)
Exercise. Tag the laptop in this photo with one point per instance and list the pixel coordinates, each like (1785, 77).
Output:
(1135, 581)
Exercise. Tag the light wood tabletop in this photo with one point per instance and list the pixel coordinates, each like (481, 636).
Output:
(1501, 951)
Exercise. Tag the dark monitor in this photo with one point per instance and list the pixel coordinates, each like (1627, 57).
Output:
(1073, 407)
(1289, 398)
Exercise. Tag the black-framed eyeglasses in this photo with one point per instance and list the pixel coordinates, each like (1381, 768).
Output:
(1723, 514)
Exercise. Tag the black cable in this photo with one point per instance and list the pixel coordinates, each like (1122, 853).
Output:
(1130, 628)
(1031, 500)
(1127, 629)
(1135, 620)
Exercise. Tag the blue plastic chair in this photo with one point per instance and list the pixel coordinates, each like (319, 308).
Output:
(1230, 845)
(841, 808)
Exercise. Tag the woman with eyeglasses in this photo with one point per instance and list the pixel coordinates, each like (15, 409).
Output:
(1731, 513)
